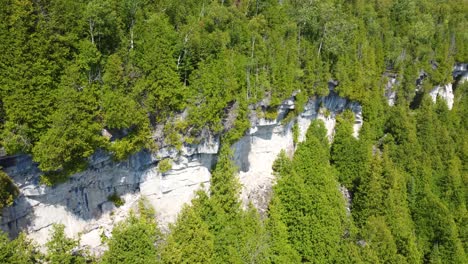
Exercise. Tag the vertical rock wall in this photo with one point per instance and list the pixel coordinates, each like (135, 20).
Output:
(82, 203)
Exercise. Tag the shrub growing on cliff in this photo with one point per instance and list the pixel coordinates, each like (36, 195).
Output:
(295, 133)
(116, 199)
(165, 165)
(8, 190)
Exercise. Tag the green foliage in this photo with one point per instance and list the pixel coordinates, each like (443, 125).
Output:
(224, 216)
(61, 249)
(190, 240)
(116, 199)
(240, 126)
(165, 165)
(160, 90)
(18, 251)
(74, 134)
(380, 240)
(73, 71)
(172, 135)
(295, 131)
(225, 187)
(280, 249)
(215, 90)
(348, 154)
(121, 111)
(253, 243)
(369, 197)
(8, 190)
(134, 239)
(314, 231)
(131, 65)
(271, 113)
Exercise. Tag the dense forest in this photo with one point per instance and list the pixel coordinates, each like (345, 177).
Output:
(71, 69)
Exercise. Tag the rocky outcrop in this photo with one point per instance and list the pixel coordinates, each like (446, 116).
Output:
(444, 92)
(82, 203)
(390, 92)
(460, 72)
(256, 152)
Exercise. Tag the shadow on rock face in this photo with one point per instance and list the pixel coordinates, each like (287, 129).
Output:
(83, 197)
(20, 212)
(241, 153)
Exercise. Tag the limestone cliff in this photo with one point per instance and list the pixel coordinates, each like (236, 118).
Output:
(82, 203)
(445, 92)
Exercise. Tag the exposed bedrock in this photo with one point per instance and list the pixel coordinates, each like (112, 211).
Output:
(444, 92)
(82, 203)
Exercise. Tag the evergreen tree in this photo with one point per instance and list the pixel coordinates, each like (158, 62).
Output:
(135, 239)
(190, 240)
(74, 132)
(8, 190)
(18, 251)
(368, 199)
(160, 91)
(225, 187)
(397, 212)
(379, 238)
(61, 249)
(253, 242)
(313, 206)
(348, 154)
(280, 249)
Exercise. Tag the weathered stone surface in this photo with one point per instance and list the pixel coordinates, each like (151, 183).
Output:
(390, 92)
(347, 197)
(256, 152)
(444, 92)
(460, 70)
(82, 204)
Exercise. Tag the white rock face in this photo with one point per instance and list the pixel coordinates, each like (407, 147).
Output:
(459, 73)
(82, 205)
(256, 152)
(445, 92)
(390, 93)
(168, 192)
(255, 155)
